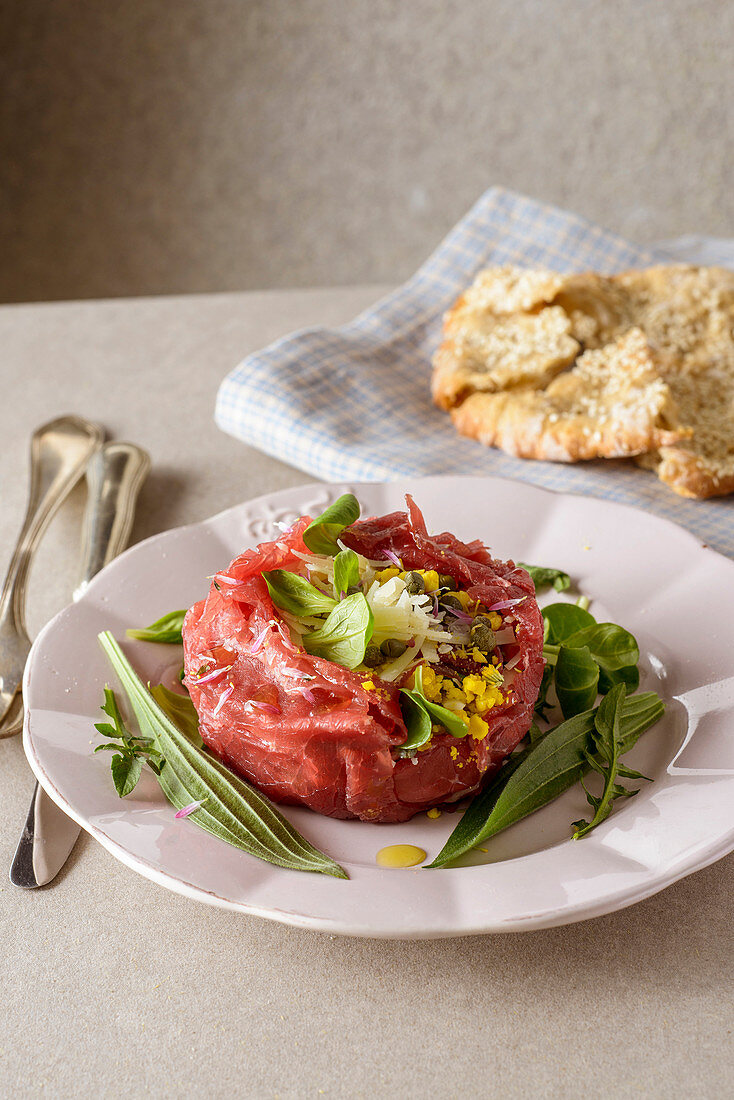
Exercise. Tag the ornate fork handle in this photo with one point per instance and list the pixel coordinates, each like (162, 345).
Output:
(60, 451)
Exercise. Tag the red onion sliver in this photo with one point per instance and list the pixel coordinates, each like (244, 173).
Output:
(502, 604)
(223, 699)
(222, 578)
(393, 557)
(513, 660)
(461, 615)
(190, 808)
(268, 708)
(260, 640)
(308, 694)
(208, 677)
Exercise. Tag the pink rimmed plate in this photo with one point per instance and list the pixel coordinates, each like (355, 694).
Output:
(676, 596)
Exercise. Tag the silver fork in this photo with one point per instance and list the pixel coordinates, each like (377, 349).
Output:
(60, 451)
(114, 477)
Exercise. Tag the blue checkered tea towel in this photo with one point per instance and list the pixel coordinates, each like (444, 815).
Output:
(353, 403)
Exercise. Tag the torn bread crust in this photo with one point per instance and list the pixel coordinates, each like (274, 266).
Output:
(613, 403)
(704, 466)
(519, 350)
(687, 316)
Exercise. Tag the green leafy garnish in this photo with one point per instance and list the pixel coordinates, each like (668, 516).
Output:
(346, 631)
(544, 577)
(180, 710)
(442, 715)
(130, 754)
(166, 630)
(321, 534)
(576, 680)
(231, 810)
(417, 721)
(608, 747)
(295, 594)
(586, 658)
(541, 703)
(561, 620)
(536, 775)
(346, 571)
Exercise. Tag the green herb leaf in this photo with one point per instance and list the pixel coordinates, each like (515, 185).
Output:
(233, 811)
(346, 571)
(180, 710)
(576, 680)
(534, 777)
(542, 704)
(346, 631)
(629, 676)
(543, 577)
(127, 763)
(320, 536)
(126, 771)
(296, 594)
(166, 630)
(611, 646)
(442, 715)
(417, 722)
(608, 745)
(564, 619)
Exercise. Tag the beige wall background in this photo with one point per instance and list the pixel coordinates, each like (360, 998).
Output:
(166, 146)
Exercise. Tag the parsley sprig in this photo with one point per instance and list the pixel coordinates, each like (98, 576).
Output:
(131, 750)
(608, 746)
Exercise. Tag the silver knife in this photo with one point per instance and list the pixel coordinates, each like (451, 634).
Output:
(114, 476)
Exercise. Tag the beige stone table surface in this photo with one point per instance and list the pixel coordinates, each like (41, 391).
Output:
(112, 986)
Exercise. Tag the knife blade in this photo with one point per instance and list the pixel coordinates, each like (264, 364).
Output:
(115, 475)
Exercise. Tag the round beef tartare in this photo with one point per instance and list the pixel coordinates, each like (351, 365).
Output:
(305, 666)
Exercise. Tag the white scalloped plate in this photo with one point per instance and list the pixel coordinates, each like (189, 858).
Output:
(655, 578)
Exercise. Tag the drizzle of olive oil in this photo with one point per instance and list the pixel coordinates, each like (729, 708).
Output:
(400, 855)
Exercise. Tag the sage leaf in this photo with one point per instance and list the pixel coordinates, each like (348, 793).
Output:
(576, 680)
(417, 722)
(180, 710)
(295, 594)
(346, 571)
(322, 533)
(346, 631)
(166, 630)
(544, 577)
(232, 810)
(535, 776)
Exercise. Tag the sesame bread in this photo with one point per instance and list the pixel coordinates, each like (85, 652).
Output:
(638, 364)
(612, 404)
(522, 349)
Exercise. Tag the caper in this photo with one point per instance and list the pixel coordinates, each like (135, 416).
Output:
(445, 581)
(414, 583)
(372, 656)
(449, 600)
(392, 648)
(482, 635)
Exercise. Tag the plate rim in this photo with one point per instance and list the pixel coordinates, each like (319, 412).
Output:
(568, 913)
